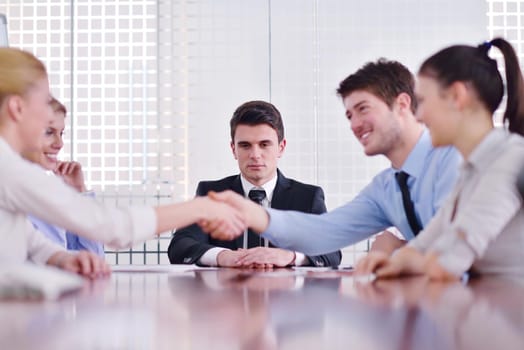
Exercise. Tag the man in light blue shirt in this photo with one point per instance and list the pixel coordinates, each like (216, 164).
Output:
(380, 106)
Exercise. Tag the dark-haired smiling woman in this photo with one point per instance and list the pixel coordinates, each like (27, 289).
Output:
(480, 227)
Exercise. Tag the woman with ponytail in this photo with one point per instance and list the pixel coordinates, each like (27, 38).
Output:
(480, 228)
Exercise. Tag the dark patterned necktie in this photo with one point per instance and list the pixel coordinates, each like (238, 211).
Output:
(257, 196)
(409, 208)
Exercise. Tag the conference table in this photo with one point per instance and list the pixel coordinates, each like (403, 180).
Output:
(187, 307)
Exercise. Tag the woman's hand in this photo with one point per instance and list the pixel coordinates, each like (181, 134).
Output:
(371, 262)
(72, 174)
(406, 261)
(82, 262)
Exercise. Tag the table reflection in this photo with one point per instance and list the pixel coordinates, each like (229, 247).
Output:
(215, 309)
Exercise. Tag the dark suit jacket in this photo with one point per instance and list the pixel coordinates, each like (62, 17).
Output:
(190, 243)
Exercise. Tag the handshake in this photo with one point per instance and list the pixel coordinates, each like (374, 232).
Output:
(225, 215)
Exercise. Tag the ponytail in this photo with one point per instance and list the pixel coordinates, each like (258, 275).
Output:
(514, 114)
(473, 64)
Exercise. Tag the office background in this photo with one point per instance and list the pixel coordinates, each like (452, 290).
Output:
(151, 84)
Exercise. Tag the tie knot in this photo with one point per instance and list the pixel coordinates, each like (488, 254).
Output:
(402, 178)
(257, 196)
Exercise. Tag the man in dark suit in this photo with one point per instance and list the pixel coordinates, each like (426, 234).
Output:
(257, 142)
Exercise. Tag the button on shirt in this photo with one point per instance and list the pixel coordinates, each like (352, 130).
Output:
(481, 224)
(433, 172)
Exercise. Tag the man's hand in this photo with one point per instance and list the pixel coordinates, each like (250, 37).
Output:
(221, 220)
(254, 215)
(83, 262)
(387, 242)
(262, 257)
(229, 258)
(71, 173)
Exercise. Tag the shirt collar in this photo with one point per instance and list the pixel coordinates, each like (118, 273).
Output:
(420, 151)
(482, 154)
(6, 147)
(269, 186)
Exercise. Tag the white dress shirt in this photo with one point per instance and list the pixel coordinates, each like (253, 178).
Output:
(209, 258)
(481, 225)
(26, 189)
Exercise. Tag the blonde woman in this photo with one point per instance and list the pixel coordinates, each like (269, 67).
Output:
(25, 113)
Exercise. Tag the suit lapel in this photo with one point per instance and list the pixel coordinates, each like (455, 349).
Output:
(280, 198)
(236, 186)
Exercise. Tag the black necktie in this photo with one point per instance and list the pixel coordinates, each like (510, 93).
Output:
(402, 179)
(258, 197)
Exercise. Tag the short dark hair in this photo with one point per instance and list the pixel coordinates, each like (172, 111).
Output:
(384, 79)
(255, 113)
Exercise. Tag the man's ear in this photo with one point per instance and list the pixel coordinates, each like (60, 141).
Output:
(403, 102)
(281, 147)
(233, 149)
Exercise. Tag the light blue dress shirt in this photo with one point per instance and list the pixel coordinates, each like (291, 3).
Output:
(433, 173)
(66, 239)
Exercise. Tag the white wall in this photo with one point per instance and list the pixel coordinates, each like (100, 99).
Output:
(314, 45)
(151, 85)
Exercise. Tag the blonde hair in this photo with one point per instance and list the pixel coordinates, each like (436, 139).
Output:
(57, 106)
(19, 70)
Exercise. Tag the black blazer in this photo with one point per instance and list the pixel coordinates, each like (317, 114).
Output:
(190, 243)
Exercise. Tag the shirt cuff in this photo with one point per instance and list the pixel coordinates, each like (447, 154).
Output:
(455, 254)
(300, 259)
(90, 193)
(275, 220)
(209, 258)
(43, 255)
